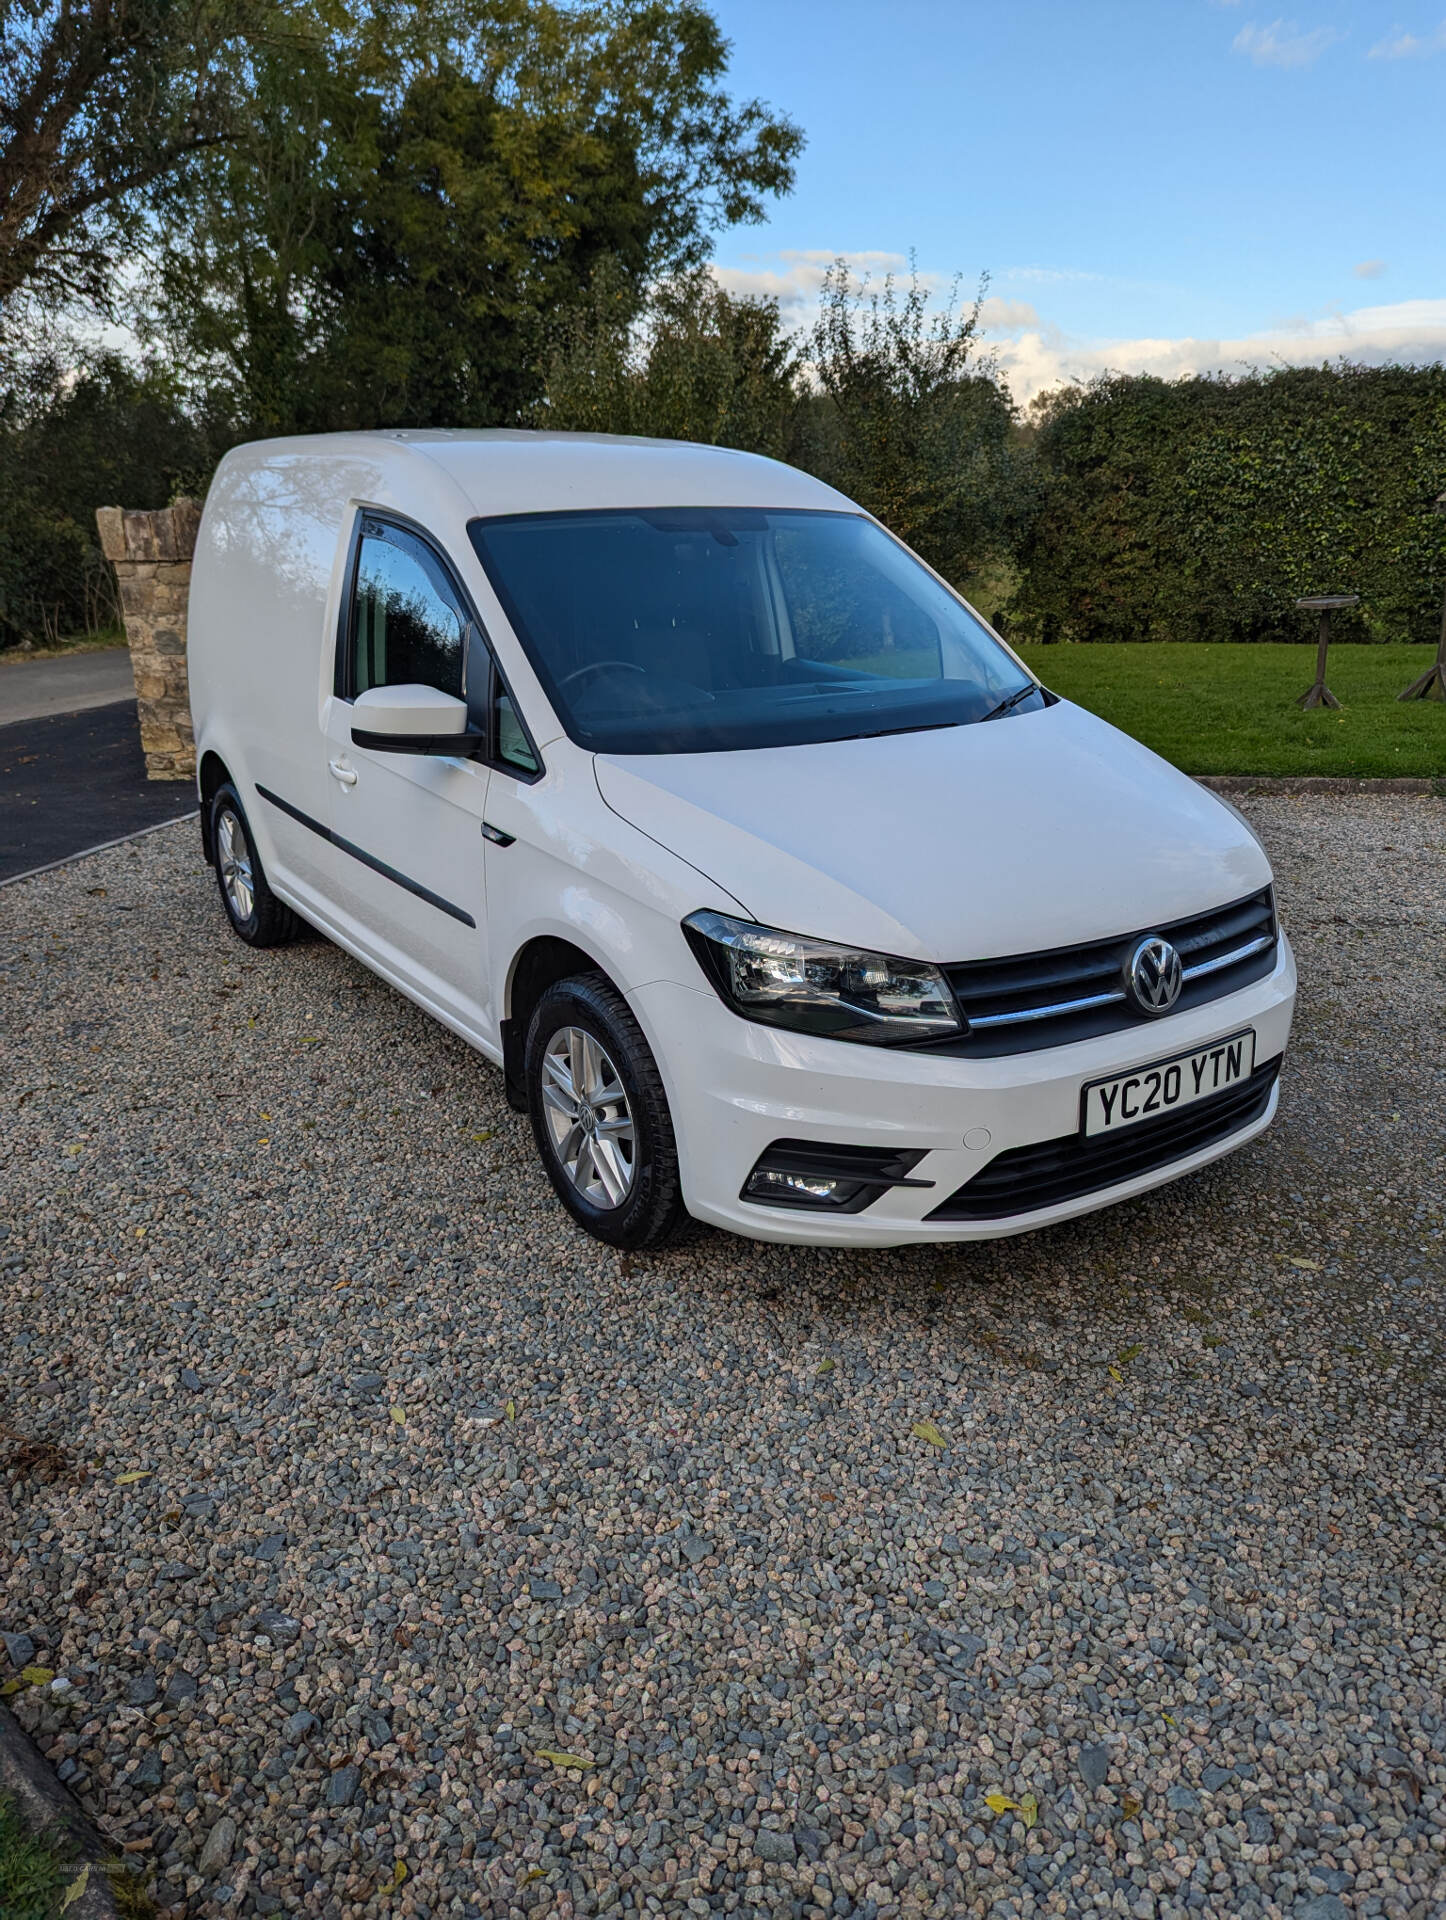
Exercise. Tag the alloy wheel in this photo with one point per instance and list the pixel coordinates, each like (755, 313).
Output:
(588, 1117)
(233, 855)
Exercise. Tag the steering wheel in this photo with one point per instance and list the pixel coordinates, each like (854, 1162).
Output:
(599, 666)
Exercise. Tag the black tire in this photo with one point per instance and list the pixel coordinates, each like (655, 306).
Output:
(239, 877)
(650, 1211)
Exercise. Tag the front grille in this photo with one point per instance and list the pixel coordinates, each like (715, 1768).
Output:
(1034, 1000)
(1050, 1172)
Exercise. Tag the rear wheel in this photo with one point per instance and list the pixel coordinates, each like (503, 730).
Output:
(600, 1115)
(255, 913)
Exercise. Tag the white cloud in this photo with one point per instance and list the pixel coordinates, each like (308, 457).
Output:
(1048, 276)
(1283, 44)
(1033, 359)
(795, 282)
(1369, 269)
(1400, 45)
(1035, 354)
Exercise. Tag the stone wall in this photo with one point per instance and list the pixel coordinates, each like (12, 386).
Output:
(151, 554)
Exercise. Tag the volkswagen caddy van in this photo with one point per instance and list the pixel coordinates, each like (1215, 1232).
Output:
(781, 892)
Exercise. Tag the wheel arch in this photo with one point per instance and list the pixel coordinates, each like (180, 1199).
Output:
(538, 965)
(211, 775)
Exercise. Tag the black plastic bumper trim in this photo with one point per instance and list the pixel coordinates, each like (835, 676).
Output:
(1049, 1173)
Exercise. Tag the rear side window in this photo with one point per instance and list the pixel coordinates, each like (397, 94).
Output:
(408, 626)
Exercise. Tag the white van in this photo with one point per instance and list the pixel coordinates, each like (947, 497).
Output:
(783, 895)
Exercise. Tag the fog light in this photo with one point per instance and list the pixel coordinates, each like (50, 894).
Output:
(768, 1183)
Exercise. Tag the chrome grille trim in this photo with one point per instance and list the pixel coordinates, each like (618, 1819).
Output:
(1022, 1002)
(1047, 1013)
(1231, 959)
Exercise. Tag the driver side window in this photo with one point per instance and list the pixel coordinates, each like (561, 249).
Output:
(407, 625)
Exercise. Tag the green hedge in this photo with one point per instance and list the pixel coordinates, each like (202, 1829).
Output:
(1201, 509)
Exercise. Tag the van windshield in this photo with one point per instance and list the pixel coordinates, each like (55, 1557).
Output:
(690, 630)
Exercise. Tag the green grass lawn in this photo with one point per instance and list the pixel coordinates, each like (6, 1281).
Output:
(1231, 709)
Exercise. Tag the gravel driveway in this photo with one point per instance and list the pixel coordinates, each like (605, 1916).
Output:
(376, 1490)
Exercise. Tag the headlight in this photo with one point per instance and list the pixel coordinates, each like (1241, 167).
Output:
(814, 986)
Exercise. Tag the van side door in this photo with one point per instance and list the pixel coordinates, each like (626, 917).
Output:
(407, 827)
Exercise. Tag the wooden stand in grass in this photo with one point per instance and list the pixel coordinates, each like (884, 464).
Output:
(1325, 605)
(1432, 683)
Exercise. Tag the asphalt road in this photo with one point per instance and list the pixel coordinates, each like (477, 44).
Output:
(76, 780)
(32, 689)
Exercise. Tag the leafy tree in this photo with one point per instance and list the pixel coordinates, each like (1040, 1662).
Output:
(100, 104)
(915, 426)
(418, 196)
(697, 364)
(70, 442)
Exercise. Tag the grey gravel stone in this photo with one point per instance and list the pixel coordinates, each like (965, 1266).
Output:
(142, 1690)
(19, 1648)
(341, 1787)
(190, 1379)
(776, 1848)
(1217, 1581)
(220, 1841)
(271, 1547)
(1324, 1906)
(180, 1687)
(694, 1550)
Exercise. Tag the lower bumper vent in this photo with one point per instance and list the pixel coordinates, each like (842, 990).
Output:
(1049, 1172)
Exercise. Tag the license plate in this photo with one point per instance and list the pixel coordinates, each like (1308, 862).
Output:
(1167, 1085)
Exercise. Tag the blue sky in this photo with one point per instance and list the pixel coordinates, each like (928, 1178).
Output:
(1169, 185)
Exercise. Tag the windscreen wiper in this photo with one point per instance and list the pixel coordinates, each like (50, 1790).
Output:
(1007, 706)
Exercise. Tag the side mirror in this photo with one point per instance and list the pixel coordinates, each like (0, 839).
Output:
(412, 719)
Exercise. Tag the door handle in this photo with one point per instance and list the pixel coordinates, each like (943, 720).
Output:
(496, 835)
(346, 775)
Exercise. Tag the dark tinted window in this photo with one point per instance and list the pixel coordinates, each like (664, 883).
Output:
(408, 626)
(689, 629)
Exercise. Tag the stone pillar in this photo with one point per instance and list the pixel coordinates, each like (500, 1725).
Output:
(151, 554)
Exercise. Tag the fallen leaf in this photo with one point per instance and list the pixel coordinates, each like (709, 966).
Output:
(398, 1875)
(129, 1479)
(511, 1409)
(827, 1367)
(1000, 1803)
(560, 1759)
(399, 1416)
(486, 1135)
(532, 1873)
(10, 1687)
(37, 1676)
(1169, 1719)
(1115, 1374)
(82, 1880)
(926, 1430)
(1029, 1809)
(1309, 1266)
(1127, 1354)
(1130, 1806)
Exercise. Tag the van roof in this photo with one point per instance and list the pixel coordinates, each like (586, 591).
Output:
(519, 470)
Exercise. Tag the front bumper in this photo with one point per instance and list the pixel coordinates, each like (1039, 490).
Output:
(734, 1088)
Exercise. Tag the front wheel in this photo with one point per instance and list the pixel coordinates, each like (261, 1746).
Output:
(600, 1115)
